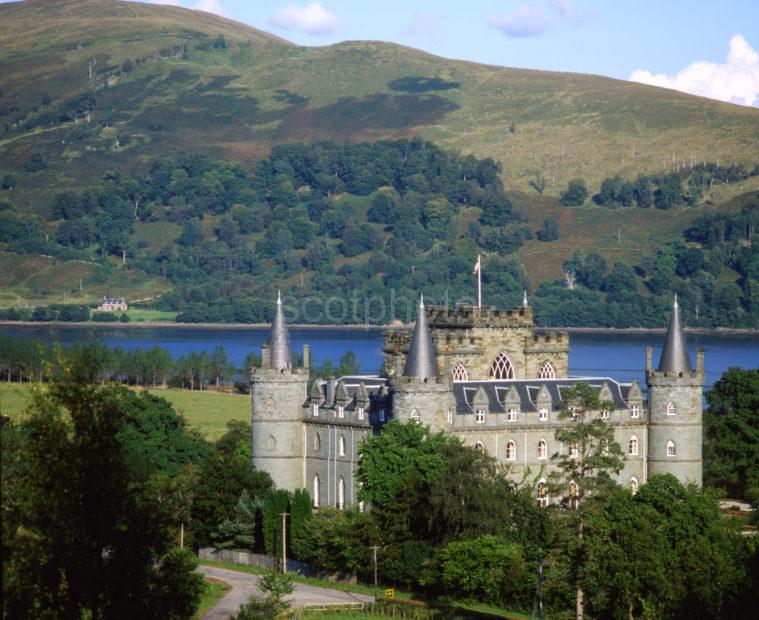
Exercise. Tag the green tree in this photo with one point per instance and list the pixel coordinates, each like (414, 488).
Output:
(8, 182)
(549, 231)
(585, 468)
(575, 194)
(219, 365)
(275, 502)
(88, 533)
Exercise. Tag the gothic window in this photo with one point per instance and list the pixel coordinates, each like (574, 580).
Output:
(546, 371)
(479, 447)
(360, 411)
(511, 451)
(271, 443)
(341, 445)
(604, 414)
(502, 368)
(459, 372)
(479, 416)
(415, 415)
(340, 411)
(542, 493)
(633, 446)
(671, 449)
(315, 410)
(543, 414)
(317, 443)
(574, 452)
(316, 491)
(511, 415)
(671, 409)
(542, 449)
(634, 411)
(381, 415)
(633, 485)
(341, 494)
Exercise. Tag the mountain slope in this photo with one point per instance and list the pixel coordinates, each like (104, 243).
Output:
(179, 91)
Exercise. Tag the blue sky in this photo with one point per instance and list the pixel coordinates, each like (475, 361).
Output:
(699, 46)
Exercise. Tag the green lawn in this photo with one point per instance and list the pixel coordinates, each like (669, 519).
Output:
(140, 314)
(208, 412)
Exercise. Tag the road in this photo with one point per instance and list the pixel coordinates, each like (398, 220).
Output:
(245, 585)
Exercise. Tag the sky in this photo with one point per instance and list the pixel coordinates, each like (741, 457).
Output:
(705, 47)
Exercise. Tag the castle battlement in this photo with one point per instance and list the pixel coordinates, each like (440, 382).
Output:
(471, 317)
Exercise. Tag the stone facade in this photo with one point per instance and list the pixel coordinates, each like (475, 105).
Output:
(500, 388)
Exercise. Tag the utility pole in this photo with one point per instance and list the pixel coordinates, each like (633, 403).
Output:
(374, 562)
(284, 541)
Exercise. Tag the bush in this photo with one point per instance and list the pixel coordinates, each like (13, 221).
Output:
(576, 193)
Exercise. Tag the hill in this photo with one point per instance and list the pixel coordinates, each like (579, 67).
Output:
(97, 95)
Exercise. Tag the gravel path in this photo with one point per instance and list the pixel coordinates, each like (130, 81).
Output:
(245, 585)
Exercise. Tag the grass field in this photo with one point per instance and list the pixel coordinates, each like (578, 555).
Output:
(139, 314)
(207, 412)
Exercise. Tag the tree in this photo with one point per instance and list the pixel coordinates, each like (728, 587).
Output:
(88, 533)
(731, 430)
(8, 182)
(219, 365)
(276, 586)
(549, 231)
(575, 194)
(584, 469)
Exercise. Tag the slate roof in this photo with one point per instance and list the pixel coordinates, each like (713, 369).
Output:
(279, 340)
(421, 361)
(674, 355)
(372, 384)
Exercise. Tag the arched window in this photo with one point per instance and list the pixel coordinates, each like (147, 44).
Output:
(341, 494)
(542, 449)
(415, 415)
(479, 447)
(671, 449)
(671, 409)
(511, 451)
(546, 371)
(317, 443)
(341, 445)
(316, 491)
(459, 372)
(271, 443)
(542, 493)
(633, 446)
(502, 368)
(633, 485)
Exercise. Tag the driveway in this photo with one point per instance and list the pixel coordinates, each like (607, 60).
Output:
(245, 585)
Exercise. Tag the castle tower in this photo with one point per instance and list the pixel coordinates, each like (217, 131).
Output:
(675, 408)
(278, 392)
(421, 394)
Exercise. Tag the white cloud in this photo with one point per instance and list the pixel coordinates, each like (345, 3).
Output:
(209, 6)
(427, 26)
(736, 80)
(311, 19)
(531, 21)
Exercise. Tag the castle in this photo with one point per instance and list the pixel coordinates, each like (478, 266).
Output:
(481, 374)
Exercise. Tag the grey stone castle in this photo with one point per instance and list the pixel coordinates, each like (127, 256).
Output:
(482, 374)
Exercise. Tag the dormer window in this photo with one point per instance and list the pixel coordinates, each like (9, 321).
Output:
(315, 410)
(635, 411)
(543, 414)
(360, 412)
(605, 414)
(479, 416)
(340, 411)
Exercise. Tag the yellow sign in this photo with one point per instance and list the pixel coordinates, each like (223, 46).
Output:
(390, 593)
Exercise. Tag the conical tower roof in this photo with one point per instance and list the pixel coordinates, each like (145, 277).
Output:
(421, 361)
(674, 355)
(279, 340)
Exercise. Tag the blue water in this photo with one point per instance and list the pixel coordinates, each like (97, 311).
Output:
(620, 356)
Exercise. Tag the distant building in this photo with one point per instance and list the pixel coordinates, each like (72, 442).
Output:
(112, 304)
(483, 375)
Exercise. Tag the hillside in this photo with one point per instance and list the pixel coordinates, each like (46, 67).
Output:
(97, 95)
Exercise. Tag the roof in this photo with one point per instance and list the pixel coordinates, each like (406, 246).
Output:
(527, 391)
(674, 355)
(279, 340)
(421, 361)
(352, 387)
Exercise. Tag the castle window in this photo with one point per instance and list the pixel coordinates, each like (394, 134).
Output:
(450, 416)
(671, 449)
(479, 416)
(546, 371)
(459, 372)
(341, 494)
(315, 410)
(317, 443)
(360, 411)
(605, 414)
(340, 411)
(542, 494)
(633, 446)
(271, 443)
(511, 415)
(633, 485)
(511, 451)
(479, 447)
(381, 415)
(316, 491)
(341, 445)
(634, 411)
(671, 409)
(415, 415)
(574, 451)
(542, 449)
(543, 414)
(502, 368)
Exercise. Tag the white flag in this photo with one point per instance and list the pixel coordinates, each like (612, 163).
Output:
(477, 265)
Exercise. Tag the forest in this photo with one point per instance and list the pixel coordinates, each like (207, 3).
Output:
(370, 224)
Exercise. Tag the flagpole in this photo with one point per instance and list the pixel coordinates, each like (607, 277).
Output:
(479, 282)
